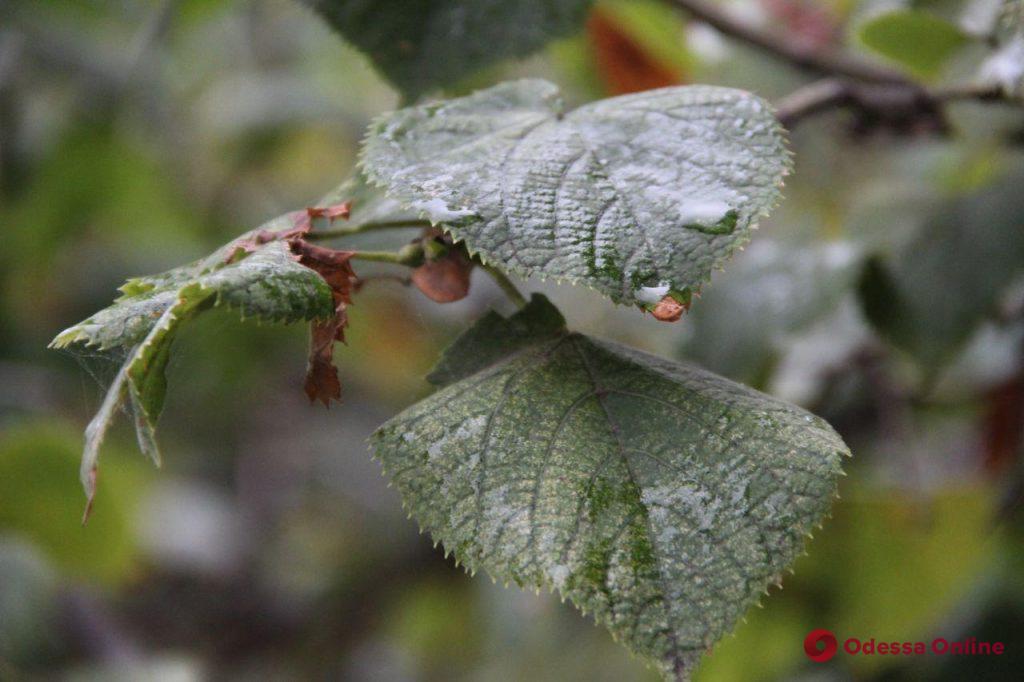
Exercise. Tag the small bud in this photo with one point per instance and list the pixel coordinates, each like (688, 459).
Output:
(668, 309)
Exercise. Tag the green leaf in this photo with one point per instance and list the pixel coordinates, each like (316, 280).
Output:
(493, 338)
(917, 40)
(637, 196)
(656, 496)
(267, 284)
(930, 296)
(424, 44)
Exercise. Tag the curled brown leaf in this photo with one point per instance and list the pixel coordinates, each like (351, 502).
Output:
(331, 212)
(322, 381)
(335, 267)
(301, 225)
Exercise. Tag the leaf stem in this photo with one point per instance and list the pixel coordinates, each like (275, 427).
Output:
(404, 257)
(366, 227)
(896, 102)
(506, 285)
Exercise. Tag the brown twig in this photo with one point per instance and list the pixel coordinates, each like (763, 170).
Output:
(881, 96)
(906, 106)
(821, 62)
(809, 100)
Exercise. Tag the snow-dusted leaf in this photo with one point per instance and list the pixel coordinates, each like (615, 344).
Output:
(267, 284)
(424, 45)
(659, 497)
(493, 337)
(144, 299)
(636, 196)
(258, 274)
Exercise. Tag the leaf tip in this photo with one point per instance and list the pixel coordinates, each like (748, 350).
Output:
(89, 483)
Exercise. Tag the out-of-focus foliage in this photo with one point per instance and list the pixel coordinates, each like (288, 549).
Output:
(917, 40)
(138, 135)
(930, 296)
(40, 500)
(421, 45)
(776, 290)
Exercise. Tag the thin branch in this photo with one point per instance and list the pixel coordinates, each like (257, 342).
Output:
(365, 227)
(822, 62)
(369, 279)
(896, 104)
(979, 92)
(881, 94)
(811, 99)
(506, 285)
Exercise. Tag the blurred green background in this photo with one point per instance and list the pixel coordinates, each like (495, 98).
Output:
(136, 135)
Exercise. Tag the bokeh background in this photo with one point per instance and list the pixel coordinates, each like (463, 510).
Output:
(139, 134)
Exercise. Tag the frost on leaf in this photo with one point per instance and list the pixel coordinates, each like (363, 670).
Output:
(622, 195)
(257, 275)
(658, 497)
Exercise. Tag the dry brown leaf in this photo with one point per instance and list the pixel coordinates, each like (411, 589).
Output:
(335, 267)
(332, 212)
(322, 381)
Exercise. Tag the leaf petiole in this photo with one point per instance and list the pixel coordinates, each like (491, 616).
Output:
(506, 285)
(365, 227)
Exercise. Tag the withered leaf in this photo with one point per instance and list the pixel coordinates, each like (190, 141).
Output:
(335, 267)
(301, 225)
(332, 264)
(331, 212)
(322, 381)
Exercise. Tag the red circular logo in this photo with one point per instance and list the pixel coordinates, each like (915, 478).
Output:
(822, 653)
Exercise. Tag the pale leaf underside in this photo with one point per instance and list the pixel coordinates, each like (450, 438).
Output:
(658, 497)
(634, 196)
